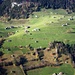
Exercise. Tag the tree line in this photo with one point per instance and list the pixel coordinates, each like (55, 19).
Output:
(28, 6)
(64, 48)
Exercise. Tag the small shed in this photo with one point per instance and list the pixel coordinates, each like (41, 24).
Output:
(54, 74)
(60, 73)
(36, 29)
(27, 27)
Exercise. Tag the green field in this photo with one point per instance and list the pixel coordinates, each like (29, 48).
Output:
(66, 68)
(50, 24)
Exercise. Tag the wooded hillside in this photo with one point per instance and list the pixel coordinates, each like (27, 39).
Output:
(22, 8)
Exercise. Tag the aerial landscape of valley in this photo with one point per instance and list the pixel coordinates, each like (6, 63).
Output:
(37, 37)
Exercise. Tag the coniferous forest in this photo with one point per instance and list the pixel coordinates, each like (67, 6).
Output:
(23, 8)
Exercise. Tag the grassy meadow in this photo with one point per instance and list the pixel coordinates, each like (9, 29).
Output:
(65, 68)
(50, 24)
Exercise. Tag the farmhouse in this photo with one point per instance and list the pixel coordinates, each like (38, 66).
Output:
(71, 18)
(27, 27)
(9, 40)
(54, 74)
(67, 24)
(64, 24)
(17, 31)
(51, 22)
(11, 33)
(36, 41)
(36, 29)
(7, 28)
(26, 31)
(15, 3)
(12, 56)
(12, 27)
(36, 16)
(60, 73)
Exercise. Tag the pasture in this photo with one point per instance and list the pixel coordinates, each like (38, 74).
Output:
(51, 24)
(38, 31)
(66, 68)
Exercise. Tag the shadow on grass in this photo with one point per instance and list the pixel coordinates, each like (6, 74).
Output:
(72, 32)
(3, 71)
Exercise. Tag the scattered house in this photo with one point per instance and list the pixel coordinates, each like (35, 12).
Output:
(11, 33)
(51, 22)
(13, 71)
(60, 73)
(17, 31)
(36, 41)
(15, 3)
(20, 46)
(64, 25)
(26, 31)
(67, 24)
(54, 74)
(66, 62)
(40, 47)
(9, 40)
(8, 49)
(48, 49)
(36, 29)
(12, 56)
(12, 27)
(7, 28)
(71, 18)
(27, 27)
(36, 16)
(36, 53)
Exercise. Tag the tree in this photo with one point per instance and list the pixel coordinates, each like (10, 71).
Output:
(3, 71)
(1, 53)
(28, 6)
